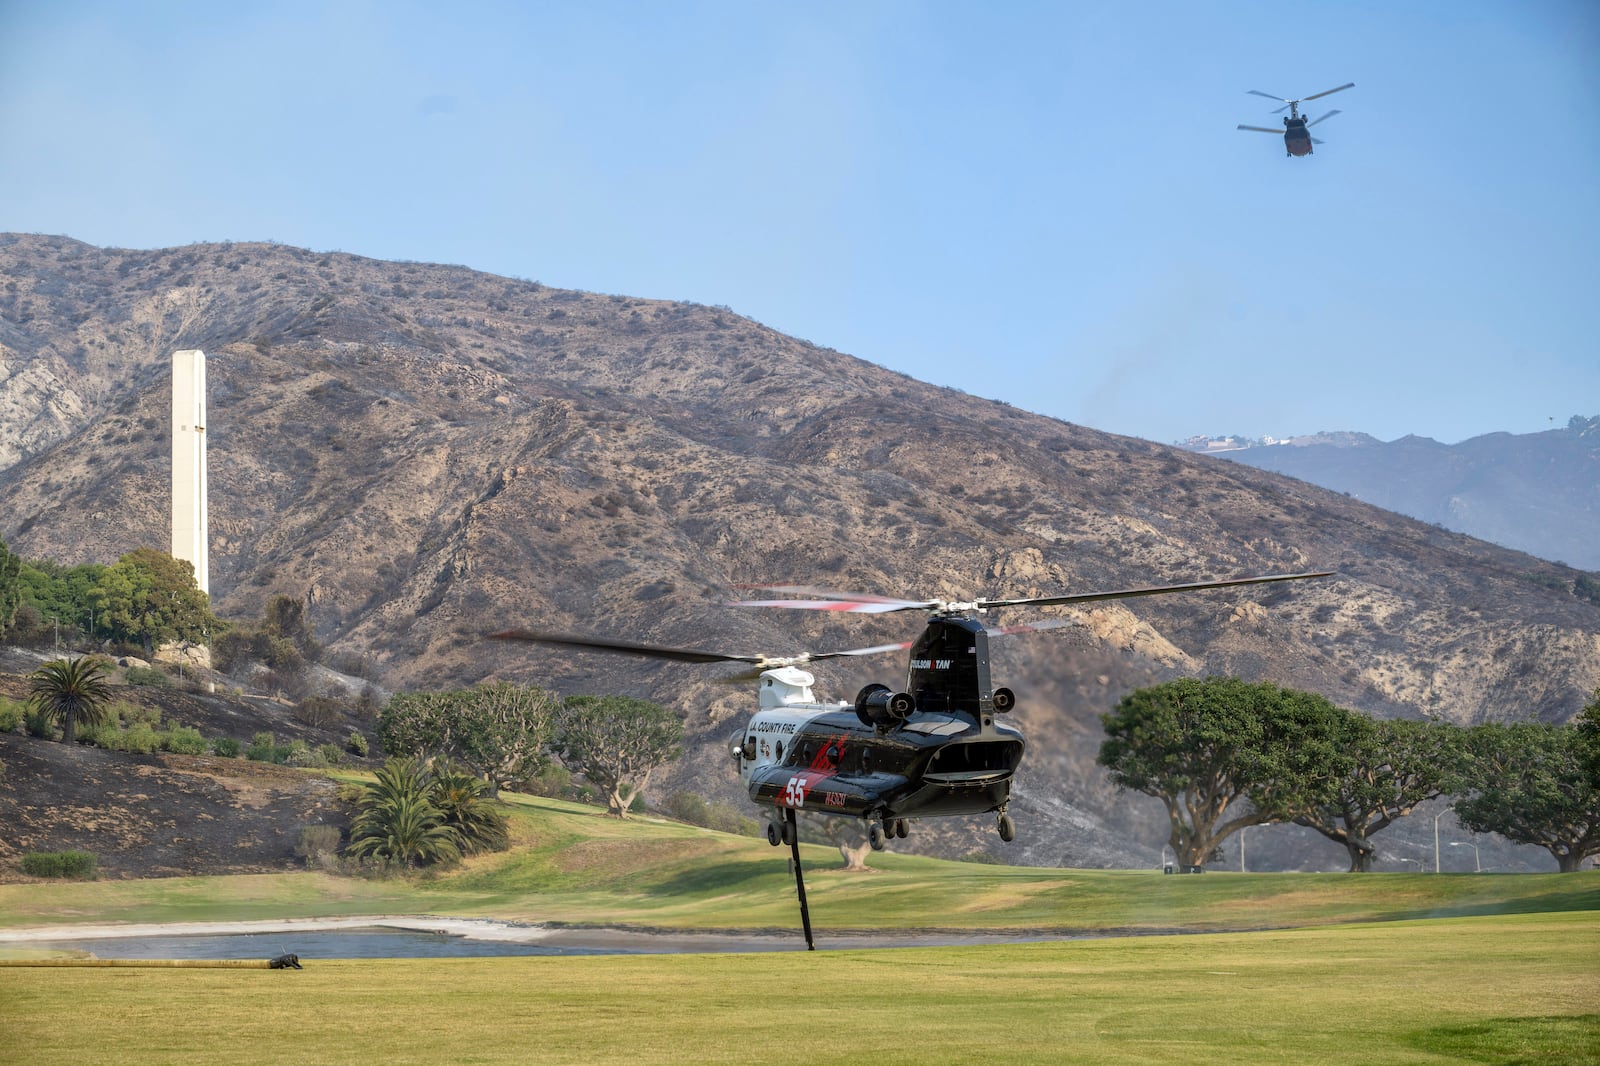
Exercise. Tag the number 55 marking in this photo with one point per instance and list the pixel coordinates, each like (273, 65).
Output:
(794, 793)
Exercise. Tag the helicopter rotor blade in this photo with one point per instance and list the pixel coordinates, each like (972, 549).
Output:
(816, 599)
(685, 655)
(1330, 114)
(881, 604)
(625, 647)
(1269, 96)
(1122, 594)
(1261, 129)
(1327, 92)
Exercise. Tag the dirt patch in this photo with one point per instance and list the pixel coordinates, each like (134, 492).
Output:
(165, 815)
(154, 816)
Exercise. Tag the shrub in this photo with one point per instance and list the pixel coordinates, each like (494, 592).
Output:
(39, 724)
(140, 738)
(330, 754)
(12, 713)
(226, 747)
(688, 807)
(319, 712)
(182, 740)
(151, 676)
(299, 753)
(74, 865)
(264, 747)
(553, 780)
(357, 744)
(318, 846)
(131, 714)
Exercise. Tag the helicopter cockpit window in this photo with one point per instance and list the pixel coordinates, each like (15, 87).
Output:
(750, 746)
(777, 750)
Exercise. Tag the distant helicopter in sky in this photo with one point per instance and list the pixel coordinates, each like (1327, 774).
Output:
(1296, 138)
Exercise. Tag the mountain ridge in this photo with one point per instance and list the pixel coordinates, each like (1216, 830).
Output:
(1535, 492)
(427, 454)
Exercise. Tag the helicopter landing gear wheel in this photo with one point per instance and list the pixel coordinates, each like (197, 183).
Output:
(876, 836)
(789, 832)
(901, 828)
(774, 834)
(1006, 827)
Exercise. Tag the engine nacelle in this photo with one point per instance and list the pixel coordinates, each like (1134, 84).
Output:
(881, 706)
(1004, 700)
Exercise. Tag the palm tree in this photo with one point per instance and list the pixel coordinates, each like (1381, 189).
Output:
(464, 801)
(399, 821)
(69, 690)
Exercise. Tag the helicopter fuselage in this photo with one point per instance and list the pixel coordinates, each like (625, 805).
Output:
(930, 751)
(824, 760)
(1296, 138)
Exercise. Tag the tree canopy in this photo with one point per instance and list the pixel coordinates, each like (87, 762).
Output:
(616, 742)
(1532, 782)
(150, 598)
(498, 730)
(1392, 766)
(1223, 754)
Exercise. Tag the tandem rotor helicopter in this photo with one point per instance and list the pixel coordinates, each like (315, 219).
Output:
(932, 749)
(1296, 139)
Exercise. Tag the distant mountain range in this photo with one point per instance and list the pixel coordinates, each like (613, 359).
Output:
(1536, 492)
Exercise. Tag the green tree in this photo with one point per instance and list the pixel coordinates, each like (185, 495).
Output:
(1223, 754)
(70, 691)
(1393, 766)
(152, 599)
(399, 821)
(10, 587)
(616, 742)
(499, 730)
(64, 596)
(1530, 783)
(1588, 725)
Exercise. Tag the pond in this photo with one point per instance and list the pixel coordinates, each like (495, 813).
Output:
(317, 944)
(432, 938)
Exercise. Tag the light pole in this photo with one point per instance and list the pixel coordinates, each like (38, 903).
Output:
(1436, 818)
(1421, 869)
(1478, 866)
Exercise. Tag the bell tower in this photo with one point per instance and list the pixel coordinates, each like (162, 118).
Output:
(190, 533)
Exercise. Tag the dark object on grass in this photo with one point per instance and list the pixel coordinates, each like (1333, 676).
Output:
(285, 961)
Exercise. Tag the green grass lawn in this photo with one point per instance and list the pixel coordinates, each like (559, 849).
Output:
(1376, 968)
(572, 864)
(1524, 988)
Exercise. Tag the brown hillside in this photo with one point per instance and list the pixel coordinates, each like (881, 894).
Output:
(429, 453)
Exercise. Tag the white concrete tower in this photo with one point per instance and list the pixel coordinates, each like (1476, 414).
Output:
(190, 533)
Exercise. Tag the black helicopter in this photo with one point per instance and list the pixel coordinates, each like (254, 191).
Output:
(1296, 138)
(931, 750)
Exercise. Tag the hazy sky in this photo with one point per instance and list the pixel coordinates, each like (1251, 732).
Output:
(1043, 203)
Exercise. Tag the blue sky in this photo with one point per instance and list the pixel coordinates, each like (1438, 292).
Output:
(1046, 204)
